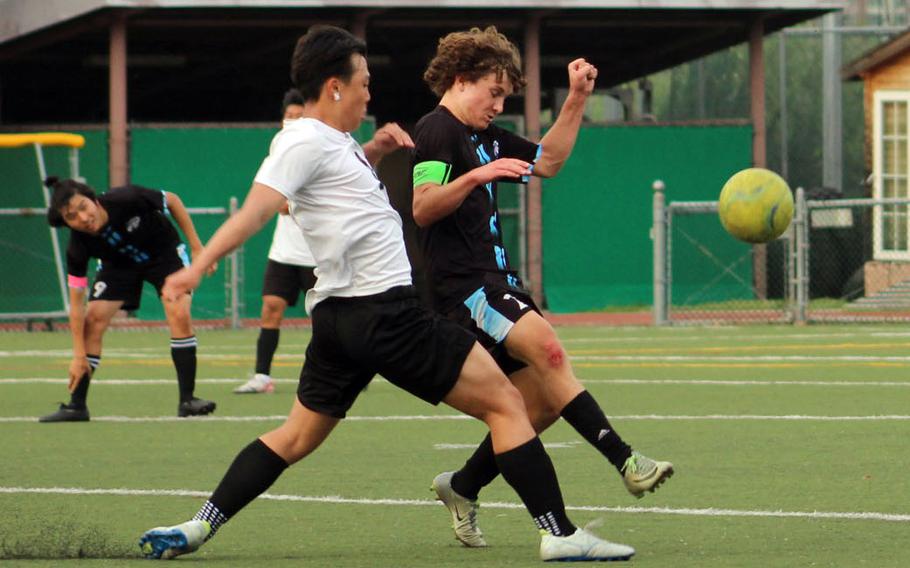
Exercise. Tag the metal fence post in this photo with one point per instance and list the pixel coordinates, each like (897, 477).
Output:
(234, 261)
(659, 236)
(801, 235)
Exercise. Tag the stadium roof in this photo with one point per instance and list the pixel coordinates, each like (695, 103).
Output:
(218, 59)
(21, 17)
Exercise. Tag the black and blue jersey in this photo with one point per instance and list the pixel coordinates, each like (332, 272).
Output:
(137, 232)
(464, 251)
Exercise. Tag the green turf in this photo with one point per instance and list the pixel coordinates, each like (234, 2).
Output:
(730, 458)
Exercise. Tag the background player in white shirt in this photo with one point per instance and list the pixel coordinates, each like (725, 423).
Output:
(290, 269)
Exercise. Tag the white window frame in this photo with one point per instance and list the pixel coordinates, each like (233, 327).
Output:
(881, 97)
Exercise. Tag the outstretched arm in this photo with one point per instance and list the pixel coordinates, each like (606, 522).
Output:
(386, 140)
(557, 144)
(79, 364)
(261, 204)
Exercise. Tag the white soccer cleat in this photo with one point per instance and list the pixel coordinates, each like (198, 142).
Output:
(641, 473)
(258, 383)
(464, 512)
(167, 542)
(581, 547)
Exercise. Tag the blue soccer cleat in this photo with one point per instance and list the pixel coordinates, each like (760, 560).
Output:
(168, 542)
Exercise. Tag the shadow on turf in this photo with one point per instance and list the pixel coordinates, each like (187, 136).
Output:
(60, 540)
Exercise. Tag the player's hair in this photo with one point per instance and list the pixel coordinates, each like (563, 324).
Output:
(322, 53)
(64, 190)
(291, 97)
(471, 55)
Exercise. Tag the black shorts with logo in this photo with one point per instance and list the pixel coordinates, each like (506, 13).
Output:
(114, 283)
(389, 334)
(489, 313)
(287, 280)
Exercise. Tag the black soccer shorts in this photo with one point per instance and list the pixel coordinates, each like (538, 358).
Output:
(287, 280)
(115, 283)
(489, 313)
(389, 334)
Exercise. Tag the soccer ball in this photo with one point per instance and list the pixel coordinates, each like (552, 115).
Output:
(756, 205)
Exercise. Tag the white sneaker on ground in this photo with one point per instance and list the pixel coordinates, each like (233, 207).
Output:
(258, 383)
(167, 542)
(641, 473)
(464, 511)
(581, 547)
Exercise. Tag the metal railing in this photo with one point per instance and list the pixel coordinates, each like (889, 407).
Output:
(824, 268)
(233, 274)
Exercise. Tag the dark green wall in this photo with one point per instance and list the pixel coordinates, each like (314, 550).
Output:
(206, 167)
(29, 282)
(597, 212)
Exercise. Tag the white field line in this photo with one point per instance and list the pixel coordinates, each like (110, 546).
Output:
(734, 337)
(421, 418)
(133, 354)
(139, 382)
(744, 358)
(747, 382)
(547, 445)
(378, 380)
(337, 500)
(579, 358)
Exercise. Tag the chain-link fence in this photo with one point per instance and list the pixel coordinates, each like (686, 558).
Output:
(843, 260)
(34, 289)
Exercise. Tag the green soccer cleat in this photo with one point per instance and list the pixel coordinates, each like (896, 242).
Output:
(581, 546)
(640, 473)
(163, 543)
(464, 511)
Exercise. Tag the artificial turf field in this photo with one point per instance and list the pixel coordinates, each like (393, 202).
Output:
(790, 444)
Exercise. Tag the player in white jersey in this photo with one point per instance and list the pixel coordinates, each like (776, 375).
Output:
(366, 315)
(290, 269)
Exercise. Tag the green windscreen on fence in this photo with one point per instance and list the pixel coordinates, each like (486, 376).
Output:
(204, 165)
(597, 213)
(30, 283)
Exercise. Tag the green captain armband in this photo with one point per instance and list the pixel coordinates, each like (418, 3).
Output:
(432, 172)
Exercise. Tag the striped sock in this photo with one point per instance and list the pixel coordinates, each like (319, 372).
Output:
(211, 514)
(183, 353)
(530, 472)
(251, 473)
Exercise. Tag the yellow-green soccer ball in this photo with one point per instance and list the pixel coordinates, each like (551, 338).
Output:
(756, 205)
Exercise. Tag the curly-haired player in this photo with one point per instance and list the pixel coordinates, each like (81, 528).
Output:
(459, 158)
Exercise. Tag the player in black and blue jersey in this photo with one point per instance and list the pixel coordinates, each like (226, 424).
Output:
(459, 158)
(128, 231)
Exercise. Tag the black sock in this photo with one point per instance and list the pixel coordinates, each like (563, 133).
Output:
(183, 353)
(254, 470)
(530, 472)
(477, 472)
(586, 416)
(265, 349)
(78, 396)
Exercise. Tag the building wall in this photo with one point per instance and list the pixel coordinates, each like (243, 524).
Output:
(894, 76)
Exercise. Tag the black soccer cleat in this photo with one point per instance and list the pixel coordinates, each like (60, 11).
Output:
(67, 413)
(195, 407)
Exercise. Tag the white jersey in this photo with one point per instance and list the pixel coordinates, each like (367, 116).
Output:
(342, 209)
(288, 244)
